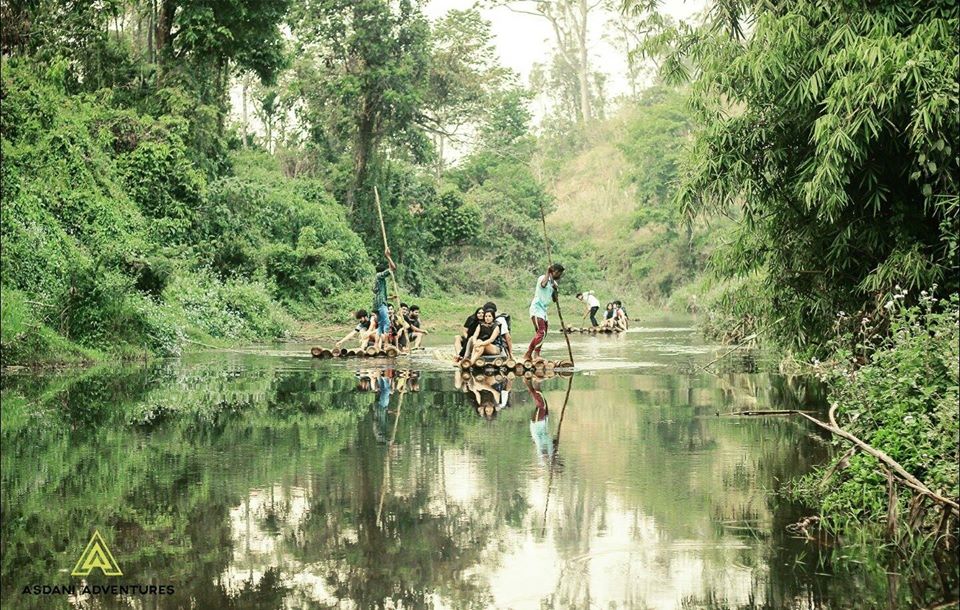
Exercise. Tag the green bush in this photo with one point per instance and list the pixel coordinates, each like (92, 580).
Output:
(117, 226)
(291, 231)
(235, 309)
(903, 401)
(451, 222)
(25, 340)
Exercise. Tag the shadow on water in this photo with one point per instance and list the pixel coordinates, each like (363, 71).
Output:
(250, 481)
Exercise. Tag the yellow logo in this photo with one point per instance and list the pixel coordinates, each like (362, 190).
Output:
(96, 555)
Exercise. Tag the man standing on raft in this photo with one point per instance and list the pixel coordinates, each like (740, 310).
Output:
(544, 292)
(380, 300)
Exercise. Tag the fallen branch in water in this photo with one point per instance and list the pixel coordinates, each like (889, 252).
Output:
(902, 476)
(218, 348)
(771, 412)
(744, 343)
(800, 527)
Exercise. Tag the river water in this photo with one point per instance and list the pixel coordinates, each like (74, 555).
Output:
(268, 479)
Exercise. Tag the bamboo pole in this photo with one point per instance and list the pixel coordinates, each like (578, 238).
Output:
(386, 460)
(553, 456)
(546, 240)
(383, 232)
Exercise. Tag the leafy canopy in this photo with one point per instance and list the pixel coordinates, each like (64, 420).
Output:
(834, 128)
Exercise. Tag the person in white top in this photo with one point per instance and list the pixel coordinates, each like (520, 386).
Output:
(592, 306)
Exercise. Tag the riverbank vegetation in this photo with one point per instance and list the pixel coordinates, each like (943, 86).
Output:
(830, 133)
(176, 173)
(145, 210)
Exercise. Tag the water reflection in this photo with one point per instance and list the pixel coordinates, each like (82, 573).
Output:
(255, 482)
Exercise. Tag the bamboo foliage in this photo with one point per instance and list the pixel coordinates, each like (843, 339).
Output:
(833, 129)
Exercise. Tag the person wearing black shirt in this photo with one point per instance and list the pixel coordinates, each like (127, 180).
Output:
(483, 338)
(416, 329)
(469, 327)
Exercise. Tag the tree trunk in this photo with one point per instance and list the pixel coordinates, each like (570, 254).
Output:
(362, 150)
(583, 68)
(439, 168)
(151, 28)
(244, 90)
(165, 24)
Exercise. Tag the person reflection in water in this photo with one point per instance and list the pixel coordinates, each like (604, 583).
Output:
(539, 428)
(485, 396)
(380, 423)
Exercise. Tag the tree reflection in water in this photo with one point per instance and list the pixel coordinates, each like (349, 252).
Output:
(253, 482)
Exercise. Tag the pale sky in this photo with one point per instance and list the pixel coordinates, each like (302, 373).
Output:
(523, 40)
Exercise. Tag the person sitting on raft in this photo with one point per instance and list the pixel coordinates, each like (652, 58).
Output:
(365, 329)
(544, 292)
(622, 315)
(397, 335)
(469, 326)
(592, 306)
(484, 337)
(416, 326)
(504, 341)
(609, 316)
(402, 322)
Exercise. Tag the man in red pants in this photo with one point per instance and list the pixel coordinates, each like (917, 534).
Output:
(544, 292)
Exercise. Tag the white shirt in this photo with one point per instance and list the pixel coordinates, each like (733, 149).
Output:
(504, 329)
(590, 299)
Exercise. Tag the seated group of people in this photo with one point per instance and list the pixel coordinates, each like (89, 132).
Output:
(405, 331)
(484, 333)
(616, 317)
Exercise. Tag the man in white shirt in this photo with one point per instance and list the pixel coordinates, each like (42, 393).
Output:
(593, 306)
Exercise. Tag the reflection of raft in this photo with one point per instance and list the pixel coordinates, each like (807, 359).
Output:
(593, 330)
(506, 365)
(323, 352)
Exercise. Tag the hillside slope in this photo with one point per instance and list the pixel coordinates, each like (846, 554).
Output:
(615, 198)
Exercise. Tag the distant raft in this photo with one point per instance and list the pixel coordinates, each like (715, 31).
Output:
(593, 330)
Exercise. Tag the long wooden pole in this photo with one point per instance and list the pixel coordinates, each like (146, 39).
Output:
(383, 232)
(553, 456)
(563, 327)
(386, 459)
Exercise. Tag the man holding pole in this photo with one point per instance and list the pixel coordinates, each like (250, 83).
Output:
(380, 299)
(593, 306)
(544, 292)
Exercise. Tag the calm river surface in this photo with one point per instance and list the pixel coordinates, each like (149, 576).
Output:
(272, 480)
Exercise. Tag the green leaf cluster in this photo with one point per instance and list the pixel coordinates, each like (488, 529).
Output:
(833, 128)
(904, 403)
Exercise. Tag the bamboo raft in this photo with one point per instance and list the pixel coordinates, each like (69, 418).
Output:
(485, 365)
(508, 365)
(593, 330)
(323, 352)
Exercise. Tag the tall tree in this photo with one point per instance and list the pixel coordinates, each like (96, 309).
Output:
(245, 32)
(463, 77)
(372, 61)
(627, 29)
(570, 22)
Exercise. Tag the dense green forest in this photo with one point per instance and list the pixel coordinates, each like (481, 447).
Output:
(179, 172)
(139, 213)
